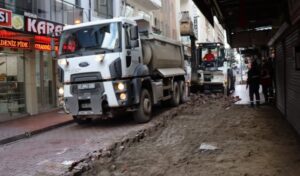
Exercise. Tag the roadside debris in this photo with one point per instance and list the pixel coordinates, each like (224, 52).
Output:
(207, 146)
(67, 163)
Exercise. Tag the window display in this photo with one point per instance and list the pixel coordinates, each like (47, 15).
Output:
(12, 92)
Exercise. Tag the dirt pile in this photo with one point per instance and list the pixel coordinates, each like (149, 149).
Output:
(207, 136)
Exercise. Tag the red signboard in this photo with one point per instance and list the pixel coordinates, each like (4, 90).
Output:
(14, 44)
(44, 47)
(5, 18)
(25, 41)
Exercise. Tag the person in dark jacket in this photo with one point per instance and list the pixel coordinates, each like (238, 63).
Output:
(266, 80)
(253, 83)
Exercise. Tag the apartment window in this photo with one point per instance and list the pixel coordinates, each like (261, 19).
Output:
(103, 8)
(77, 3)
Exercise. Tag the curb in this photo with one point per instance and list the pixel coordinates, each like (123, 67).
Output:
(28, 134)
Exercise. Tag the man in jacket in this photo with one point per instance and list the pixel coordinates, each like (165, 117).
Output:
(253, 83)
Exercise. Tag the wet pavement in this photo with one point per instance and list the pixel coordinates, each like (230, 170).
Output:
(27, 126)
(53, 152)
(243, 93)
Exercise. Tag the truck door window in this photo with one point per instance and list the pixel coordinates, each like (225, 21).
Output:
(127, 36)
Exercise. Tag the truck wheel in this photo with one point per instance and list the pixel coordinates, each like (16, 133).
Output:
(81, 121)
(182, 91)
(175, 100)
(143, 114)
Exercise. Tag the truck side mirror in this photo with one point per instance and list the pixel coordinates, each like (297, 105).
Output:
(134, 33)
(53, 52)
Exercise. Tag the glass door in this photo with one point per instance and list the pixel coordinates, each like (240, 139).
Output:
(44, 81)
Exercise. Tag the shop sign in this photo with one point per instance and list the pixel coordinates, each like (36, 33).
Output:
(44, 47)
(42, 27)
(14, 44)
(5, 18)
(18, 22)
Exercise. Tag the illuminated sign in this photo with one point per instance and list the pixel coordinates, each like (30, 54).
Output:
(44, 47)
(18, 22)
(5, 18)
(42, 27)
(14, 44)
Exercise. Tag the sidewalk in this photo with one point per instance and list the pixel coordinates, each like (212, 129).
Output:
(243, 93)
(25, 127)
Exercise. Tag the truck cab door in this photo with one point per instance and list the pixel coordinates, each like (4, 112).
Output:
(132, 51)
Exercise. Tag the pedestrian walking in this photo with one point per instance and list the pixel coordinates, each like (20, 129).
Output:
(253, 83)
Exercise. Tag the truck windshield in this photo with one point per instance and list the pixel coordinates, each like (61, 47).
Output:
(101, 38)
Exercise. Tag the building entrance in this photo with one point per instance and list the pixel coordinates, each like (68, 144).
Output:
(44, 81)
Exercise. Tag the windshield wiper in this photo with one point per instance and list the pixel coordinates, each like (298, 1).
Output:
(105, 50)
(69, 55)
(92, 47)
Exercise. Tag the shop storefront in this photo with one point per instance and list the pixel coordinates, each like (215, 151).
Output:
(27, 71)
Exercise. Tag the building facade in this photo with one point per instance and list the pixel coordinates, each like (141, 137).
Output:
(162, 23)
(27, 71)
(203, 30)
(286, 43)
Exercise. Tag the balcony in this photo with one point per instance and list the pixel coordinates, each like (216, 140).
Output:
(149, 4)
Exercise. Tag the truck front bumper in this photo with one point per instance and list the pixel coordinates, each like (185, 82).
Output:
(85, 100)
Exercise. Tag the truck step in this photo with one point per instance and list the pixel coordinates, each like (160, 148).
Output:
(167, 97)
(167, 87)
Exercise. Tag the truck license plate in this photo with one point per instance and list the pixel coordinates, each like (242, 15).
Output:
(86, 86)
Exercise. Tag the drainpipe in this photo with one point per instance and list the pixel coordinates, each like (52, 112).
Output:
(124, 7)
(90, 10)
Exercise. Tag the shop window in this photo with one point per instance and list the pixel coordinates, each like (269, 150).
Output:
(58, 11)
(43, 9)
(12, 88)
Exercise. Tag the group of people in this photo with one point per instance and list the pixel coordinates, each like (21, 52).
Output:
(261, 75)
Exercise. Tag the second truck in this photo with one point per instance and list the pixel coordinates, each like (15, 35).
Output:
(116, 65)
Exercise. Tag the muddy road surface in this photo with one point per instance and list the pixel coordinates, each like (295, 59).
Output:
(209, 138)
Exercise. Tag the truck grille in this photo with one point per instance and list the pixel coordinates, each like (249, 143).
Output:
(86, 83)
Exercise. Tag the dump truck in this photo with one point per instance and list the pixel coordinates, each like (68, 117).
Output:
(117, 65)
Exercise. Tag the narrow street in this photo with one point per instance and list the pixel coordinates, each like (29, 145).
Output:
(149, 88)
(248, 142)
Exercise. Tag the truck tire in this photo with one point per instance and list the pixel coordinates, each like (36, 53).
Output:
(175, 100)
(81, 121)
(182, 91)
(143, 114)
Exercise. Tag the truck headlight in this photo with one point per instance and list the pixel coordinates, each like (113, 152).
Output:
(121, 86)
(61, 91)
(123, 96)
(100, 58)
(63, 62)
